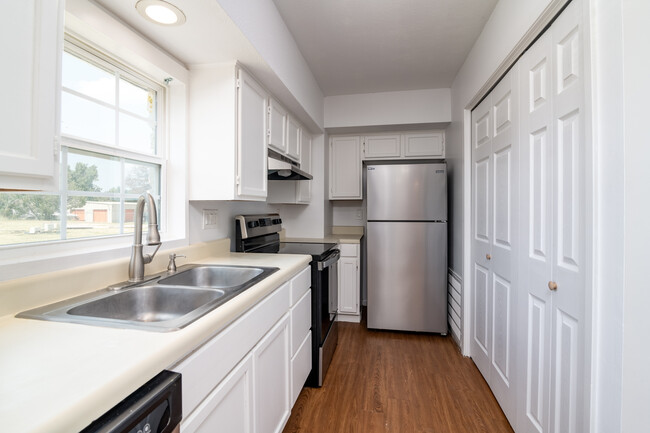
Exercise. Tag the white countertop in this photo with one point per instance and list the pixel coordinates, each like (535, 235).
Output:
(340, 235)
(59, 377)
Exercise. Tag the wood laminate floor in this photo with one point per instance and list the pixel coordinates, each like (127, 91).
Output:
(382, 381)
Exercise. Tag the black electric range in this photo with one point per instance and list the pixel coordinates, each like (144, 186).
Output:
(261, 234)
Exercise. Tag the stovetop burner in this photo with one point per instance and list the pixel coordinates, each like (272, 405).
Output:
(313, 249)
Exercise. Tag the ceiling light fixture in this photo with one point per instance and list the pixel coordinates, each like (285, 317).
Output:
(160, 12)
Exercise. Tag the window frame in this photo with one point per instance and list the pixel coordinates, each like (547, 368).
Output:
(100, 58)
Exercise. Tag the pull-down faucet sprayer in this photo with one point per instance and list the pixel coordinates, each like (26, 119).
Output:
(138, 259)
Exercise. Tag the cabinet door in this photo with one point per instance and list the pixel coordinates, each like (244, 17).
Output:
(251, 139)
(381, 146)
(349, 285)
(294, 132)
(31, 42)
(345, 168)
(300, 367)
(229, 407)
(304, 186)
(272, 380)
(277, 134)
(424, 145)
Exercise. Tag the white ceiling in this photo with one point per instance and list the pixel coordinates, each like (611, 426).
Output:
(208, 36)
(351, 46)
(368, 46)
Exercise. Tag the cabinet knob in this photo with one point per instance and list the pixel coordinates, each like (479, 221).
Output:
(552, 285)
(489, 257)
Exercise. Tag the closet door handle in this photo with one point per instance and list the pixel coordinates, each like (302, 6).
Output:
(552, 285)
(489, 257)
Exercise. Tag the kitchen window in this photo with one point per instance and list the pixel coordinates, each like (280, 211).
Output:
(111, 152)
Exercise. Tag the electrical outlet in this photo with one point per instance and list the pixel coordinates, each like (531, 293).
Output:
(209, 219)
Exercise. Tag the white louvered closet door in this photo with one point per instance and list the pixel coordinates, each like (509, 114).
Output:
(495, 176)
(553, 229)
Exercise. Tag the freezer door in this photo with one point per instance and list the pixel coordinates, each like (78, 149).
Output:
(407, 276)
(407, 192)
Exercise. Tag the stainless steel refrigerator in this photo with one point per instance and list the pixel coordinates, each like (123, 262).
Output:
(407, 246)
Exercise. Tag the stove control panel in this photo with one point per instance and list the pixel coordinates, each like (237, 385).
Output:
(255, 226)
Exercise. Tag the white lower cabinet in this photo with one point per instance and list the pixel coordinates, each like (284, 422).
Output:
(300, 368)
(300, 332)
(229, 408)
(271, 379)
(247, 377)
(349, 284)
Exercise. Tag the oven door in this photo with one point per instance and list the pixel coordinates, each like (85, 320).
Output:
(329, 295)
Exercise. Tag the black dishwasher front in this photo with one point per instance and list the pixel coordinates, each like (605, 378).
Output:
(155, 407)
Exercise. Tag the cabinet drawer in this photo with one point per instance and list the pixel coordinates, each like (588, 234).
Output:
(349, 250)
(300, 321)
(300, 284)
(300, 368)
(207, 367)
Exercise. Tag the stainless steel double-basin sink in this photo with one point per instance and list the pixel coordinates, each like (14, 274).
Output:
(163, 302)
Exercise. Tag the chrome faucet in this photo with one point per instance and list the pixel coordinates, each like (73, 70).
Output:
(138, 260)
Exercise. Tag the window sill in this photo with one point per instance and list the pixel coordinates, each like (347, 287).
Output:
(17, 261)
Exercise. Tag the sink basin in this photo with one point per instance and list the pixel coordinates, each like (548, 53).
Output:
(168, 305)
(214, 276)
(148, 304)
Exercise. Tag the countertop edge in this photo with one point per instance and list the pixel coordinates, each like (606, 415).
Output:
(107, 370)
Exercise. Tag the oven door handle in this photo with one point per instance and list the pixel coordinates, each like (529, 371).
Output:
(329, 260)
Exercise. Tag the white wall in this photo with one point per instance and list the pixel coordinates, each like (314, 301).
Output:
(388, 108)
(309, 221)
(609, 277)
(348, 213)
(262, 24)
(636, 325)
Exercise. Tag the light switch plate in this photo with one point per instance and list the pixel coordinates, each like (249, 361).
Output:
(209, 219)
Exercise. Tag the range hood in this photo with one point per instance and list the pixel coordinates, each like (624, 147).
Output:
(282, 168)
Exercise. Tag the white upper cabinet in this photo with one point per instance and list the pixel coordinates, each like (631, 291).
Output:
(277, 126)
(251, 134)
(406, 145)
(293, 138)
(345, 168)
(228, 135)
(284, 132)
(31, 42)
(382, 146)
(423, 144)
